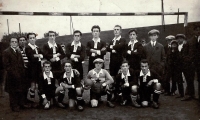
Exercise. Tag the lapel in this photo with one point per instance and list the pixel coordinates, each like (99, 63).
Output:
(92, 44)
(99, 45)
(13, 52)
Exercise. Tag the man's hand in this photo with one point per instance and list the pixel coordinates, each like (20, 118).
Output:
(53, 59)
(126, 84)
(135, 50)
(129, 52)
(152, 81)
(76, 72)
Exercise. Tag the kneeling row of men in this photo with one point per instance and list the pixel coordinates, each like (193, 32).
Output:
(133, 86)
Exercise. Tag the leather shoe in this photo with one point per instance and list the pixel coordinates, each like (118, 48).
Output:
(109, 104)
(186, 98)
(61, 105)
(135, 104)
(123, 103)
(155, 105)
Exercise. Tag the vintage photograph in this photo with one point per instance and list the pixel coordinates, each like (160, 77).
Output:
(100, 60)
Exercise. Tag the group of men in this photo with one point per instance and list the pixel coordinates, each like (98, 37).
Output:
(136, 71)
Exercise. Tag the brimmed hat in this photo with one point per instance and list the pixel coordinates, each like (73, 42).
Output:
(181, 36)
(154, 31)
(98, 60)
(170, 37)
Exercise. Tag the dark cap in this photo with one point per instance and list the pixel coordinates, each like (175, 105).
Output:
(154, 31)
(98, 60)
(180, 36)
(170, 37)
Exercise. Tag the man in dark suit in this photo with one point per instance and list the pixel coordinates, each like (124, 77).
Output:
(53, 52)
(116, 48)
(134, 50)
(195, 53)
(14, 65)
(95, 48)
(155, 53)
(76, 52)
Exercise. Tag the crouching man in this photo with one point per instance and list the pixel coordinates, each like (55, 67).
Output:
(148, 82)
(126, 85)
(47, 86)
(99, 80)
(71, 82)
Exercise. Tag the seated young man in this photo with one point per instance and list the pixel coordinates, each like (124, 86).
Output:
(47, 86)
(100, 81)
(126, 85)
(148, 81)
(71, 82)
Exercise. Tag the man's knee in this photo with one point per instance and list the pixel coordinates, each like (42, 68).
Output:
(134, 89)
(94, 103)
(79, 91)
(157, 88)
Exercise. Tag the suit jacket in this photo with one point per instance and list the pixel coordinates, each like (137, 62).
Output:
(135, 57)
(155, 55)
(14, 65)
(119, 81)
(194, 50)
(48, 54)
(90, 45)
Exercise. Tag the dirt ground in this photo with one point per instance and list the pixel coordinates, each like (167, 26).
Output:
(171, 108)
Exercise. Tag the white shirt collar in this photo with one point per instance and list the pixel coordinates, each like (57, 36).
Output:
(153, 42)
(142, 74)
(118, 38)
(98, 40)
(32, 46)
(135, 41)
(73, 43)
(123, 76)
(13, 48)
(94, 72)
(50, 75)
(65, 74)
(51, 45)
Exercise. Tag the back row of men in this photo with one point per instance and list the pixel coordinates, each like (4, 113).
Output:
(181, 57)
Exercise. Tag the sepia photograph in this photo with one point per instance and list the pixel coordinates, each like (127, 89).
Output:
(100, 60)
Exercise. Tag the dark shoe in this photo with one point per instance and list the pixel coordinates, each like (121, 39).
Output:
(155, 105)
(15, 109)
(109, 104)
(172, 94)
(47, 106)
(80, 108)
(188, 98)
(25, 106)
(179, 96)
(135, 104)
(61, 105)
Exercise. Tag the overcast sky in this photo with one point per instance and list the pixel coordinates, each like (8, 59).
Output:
(42, 24)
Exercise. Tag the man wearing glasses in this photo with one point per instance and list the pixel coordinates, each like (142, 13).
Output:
(14, 65)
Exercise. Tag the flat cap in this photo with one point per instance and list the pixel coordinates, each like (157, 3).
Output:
(98, 60)
(170, 37)
(154, 31)
(181, 36)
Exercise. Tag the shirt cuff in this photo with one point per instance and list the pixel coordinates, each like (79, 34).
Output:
(76, 59)
(57, 58)
(113, 51)
(98, 52)
(43, 96)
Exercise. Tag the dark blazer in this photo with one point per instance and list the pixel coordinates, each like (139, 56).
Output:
(80, 51)
(155, 55)
(48, 54)
(14, 65)
(135, 57)
(90, 45)
(153, 75)
(34, 65)
(116, 58)
(119, 81)
(194, 50)
(43, 86)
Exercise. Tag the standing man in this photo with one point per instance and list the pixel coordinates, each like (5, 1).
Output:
(53, 52)
(76, 52)
(14, 65)
(35, 56)
(134, 50)
(95, 48)
(116, 48)
(155, 53)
